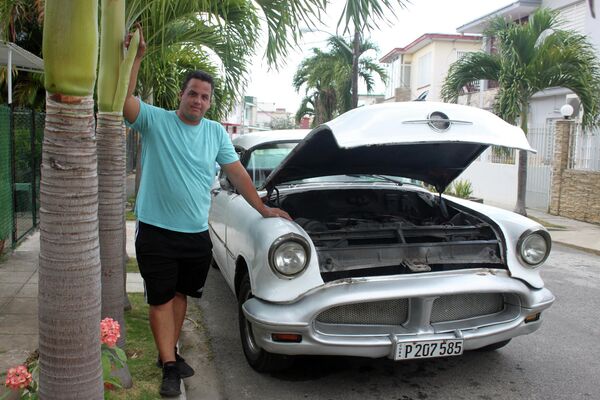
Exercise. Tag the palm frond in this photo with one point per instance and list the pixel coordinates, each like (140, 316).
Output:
(364, 14)
(472, 67)
(283, 19)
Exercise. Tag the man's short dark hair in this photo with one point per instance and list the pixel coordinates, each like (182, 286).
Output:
(200, 75)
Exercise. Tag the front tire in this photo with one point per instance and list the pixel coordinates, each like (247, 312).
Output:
(258, 358)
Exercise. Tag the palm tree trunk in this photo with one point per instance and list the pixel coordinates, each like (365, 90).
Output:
(520, 207)
(111, 165)
(69, 274)
(355, 56)
(110, 134)
(126, 302)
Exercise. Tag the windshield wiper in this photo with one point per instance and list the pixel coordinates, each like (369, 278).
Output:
(380, 177)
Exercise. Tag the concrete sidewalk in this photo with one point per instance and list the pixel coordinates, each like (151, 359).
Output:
(18, 303)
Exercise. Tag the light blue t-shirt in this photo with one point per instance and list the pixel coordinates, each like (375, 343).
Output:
(178, 168)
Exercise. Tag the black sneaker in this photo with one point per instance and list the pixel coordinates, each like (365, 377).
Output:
(171, 381)
(185, 371)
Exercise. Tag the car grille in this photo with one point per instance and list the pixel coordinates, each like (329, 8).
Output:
(463, 306)
(387, 312)
(395, 311)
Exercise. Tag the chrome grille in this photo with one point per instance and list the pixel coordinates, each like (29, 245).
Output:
(468, 305)
(386, 312)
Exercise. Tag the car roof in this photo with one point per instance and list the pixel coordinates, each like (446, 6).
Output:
(249, 140)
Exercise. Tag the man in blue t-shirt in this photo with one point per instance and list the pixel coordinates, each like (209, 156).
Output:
(173, 249)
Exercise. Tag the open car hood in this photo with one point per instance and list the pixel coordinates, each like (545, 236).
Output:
(428, 141)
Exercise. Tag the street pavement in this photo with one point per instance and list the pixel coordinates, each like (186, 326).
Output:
(19, 321)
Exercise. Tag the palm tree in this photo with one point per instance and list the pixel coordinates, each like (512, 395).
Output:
(226, 29)
(531, 57)
(361, 15)
(316, 74)
(326, 76)
(69, 272)
(113, 79)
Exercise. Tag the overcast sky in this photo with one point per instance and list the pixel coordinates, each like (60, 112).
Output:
(422, 16)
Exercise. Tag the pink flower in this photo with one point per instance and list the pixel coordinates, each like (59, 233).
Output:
(110, 331)
(18, 378)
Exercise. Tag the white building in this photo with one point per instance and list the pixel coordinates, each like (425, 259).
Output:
(545, 106)
(269, 116)
(250, 115)
(418, 70)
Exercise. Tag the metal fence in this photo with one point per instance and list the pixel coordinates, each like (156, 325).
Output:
(498, 155)
(21, 133)
(539, 166)
(584, 149)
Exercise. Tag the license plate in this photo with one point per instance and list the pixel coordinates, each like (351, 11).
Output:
(407, 350)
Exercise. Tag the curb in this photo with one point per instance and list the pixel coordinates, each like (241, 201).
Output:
(576, 247)
(195, 348)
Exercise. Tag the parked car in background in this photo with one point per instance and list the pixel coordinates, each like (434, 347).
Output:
(373, 264)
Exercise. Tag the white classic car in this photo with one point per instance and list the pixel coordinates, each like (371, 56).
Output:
(374, 264)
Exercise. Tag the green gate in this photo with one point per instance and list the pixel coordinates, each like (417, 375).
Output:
(21, 133)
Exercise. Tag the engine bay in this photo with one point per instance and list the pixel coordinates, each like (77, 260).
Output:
(367, 232)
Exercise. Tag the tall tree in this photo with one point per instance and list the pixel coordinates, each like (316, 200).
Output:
(359, 16)
(227, 30)
(69, 273)
(531, 57)
(113, 79)
(326, 77)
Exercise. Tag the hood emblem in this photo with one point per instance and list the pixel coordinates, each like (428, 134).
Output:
(438, 121)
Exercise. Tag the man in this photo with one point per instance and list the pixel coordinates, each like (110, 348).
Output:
(179, 150)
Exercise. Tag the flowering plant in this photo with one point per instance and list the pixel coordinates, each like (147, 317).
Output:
(24, 379)
(113, 357)
(20, 380)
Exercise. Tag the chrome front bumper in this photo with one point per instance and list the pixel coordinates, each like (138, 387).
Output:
(376, 341)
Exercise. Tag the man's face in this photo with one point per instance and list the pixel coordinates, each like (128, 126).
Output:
(194, 101)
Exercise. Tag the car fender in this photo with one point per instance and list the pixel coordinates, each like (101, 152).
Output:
(512, 225)
(251, 237)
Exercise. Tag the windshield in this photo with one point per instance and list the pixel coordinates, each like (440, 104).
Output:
(264, 159)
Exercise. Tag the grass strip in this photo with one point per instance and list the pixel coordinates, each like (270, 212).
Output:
(141, 355)
(132, 265)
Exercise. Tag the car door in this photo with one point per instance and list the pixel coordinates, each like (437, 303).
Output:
(220, 213)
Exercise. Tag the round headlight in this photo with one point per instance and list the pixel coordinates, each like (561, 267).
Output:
(534, 248)
(289, 255)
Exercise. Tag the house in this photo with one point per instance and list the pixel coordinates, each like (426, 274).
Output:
(563, 177)
(417, 71)
(545, 106)
(242, 118)
(250, 115)
(269, 116)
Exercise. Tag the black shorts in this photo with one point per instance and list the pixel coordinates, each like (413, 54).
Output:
(172, 262)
